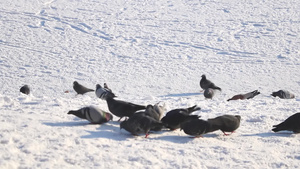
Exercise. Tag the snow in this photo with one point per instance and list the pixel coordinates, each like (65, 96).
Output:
(147, 52)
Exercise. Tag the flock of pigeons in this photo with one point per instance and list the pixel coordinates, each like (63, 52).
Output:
(141, 119)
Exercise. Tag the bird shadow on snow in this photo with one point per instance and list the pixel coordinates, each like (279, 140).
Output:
(181, 94)
(110, 130)
(184, 139)
(66, 124)
(270, 134)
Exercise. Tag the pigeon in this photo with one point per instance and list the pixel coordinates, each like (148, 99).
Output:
(249, 95)
(195, 127)
(25, 89)
(292, 123)
(151, 112)
(225, 123)
(81, 89)
(205, 84)
(175, 117)
(155, 111)
(103, 93)
(92, 114)
(209, 93)
(140, 123)
(283, 94)
(121, 108)
(160, 109)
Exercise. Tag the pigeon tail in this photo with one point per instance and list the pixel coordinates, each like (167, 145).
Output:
(216, 88)
(277, 128)
(72, 112)
(192, 109)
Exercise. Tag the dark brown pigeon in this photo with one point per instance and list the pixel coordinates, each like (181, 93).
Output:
(92, 114)
(139, 123)
(225, 123)
(81, 89)
(205, 84)
(195, 127)
(174, 118)
(290, 124)
(121, 108)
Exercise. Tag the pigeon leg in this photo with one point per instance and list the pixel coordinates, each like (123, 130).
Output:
(147, 134)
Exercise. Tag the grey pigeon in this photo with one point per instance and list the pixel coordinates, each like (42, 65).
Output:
(118, 107)
(25, 89)
(92, 114)
(140, 123)
(292, 123)
(195, 127)
(150, 111)
(160, 109)
(209, 93)
(225, 123)
(249, 95)
(81, 89)
(103, 93)
(175, 117)
(205, 84)
(156, 111)
(283, 94)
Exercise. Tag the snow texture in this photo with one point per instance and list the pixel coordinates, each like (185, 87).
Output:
(147, 52)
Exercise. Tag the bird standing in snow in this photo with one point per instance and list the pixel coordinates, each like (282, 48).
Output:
(81, 89)
(225, 123)
(292, 123)
(92, 114)
(118, 107)
(205, 84)
(175, 117)
(140, 123)
(195, 127)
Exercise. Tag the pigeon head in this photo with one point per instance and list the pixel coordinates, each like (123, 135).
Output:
(203, 76)
(238, 117)
(98, 86)
(75, 83)
(103, 93)
(274, 94)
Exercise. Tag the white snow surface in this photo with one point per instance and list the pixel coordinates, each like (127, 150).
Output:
(147, 52)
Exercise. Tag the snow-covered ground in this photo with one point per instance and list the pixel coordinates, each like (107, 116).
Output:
(147, 52)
